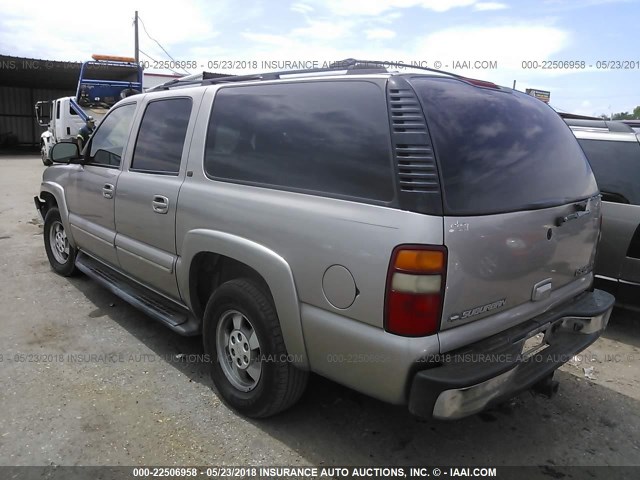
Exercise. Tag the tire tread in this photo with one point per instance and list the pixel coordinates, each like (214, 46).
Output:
(290, 382)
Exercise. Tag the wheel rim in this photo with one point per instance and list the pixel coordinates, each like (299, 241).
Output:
(59, 242)
(238, 350)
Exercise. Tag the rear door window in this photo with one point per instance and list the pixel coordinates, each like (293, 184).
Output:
(616, 166)
(500, 150)
(326, 137)
(161, 136)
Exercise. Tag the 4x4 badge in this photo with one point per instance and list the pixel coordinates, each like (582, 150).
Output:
(583, 270)
(458, 227)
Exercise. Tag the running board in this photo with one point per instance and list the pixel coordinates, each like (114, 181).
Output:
(172, 315)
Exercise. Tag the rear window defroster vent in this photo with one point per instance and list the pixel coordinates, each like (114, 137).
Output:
(406, 113)
(416, 169)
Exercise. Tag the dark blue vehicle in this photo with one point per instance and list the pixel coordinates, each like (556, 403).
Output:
(107, 79)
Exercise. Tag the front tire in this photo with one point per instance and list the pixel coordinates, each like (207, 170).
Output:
(249, 363)
(62, 256)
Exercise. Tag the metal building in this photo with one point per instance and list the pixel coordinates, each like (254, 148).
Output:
(23, 82)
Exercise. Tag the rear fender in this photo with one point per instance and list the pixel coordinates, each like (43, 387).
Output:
(271, 266)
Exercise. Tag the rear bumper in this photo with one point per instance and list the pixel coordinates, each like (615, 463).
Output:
(472, 378)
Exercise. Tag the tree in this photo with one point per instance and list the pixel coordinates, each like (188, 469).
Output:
(623, 115)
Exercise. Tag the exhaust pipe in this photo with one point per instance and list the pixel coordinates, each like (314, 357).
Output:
(547, 386)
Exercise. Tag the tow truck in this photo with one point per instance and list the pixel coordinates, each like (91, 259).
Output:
(102, 82)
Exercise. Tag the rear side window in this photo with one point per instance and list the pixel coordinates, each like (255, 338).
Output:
(501, 151)
(328, 137)
(616, 166)
(161, 136)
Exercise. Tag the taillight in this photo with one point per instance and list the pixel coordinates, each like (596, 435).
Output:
(415, 290)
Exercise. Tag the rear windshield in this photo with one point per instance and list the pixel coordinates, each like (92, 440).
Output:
(501, 151)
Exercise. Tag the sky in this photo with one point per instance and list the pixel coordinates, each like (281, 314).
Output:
(499, 41)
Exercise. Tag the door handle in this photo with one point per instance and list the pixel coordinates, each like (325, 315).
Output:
(573, 216)
(107, 190)
(160, 204)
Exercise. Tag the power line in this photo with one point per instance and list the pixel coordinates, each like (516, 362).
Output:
(148, 56)
(153, 59)
(158, 43)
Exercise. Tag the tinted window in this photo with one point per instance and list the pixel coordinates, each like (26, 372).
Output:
(109, 139)
(330, 137)
(161, 136)
(501, 151)
(616, 166)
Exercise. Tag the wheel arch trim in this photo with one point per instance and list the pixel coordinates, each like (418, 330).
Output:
(58, 193)
(271, 266)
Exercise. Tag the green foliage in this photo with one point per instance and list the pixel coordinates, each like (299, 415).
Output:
(622, 116)
(635, 115)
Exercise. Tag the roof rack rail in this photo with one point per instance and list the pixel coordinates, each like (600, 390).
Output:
(351, 65)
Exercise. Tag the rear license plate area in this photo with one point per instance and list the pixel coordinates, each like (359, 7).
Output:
(534, 344)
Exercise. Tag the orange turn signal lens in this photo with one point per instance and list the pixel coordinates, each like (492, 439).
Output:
(420, 261)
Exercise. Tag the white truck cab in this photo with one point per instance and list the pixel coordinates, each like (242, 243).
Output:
(62, 121)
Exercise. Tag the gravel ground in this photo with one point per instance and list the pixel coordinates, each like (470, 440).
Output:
(88, 380)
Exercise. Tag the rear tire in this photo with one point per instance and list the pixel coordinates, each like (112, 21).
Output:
(61, 254)
(248, 359)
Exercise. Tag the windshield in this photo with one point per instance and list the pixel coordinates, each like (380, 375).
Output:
(501, 150)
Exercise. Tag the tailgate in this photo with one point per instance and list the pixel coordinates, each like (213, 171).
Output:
(521, 206)
(497, 262)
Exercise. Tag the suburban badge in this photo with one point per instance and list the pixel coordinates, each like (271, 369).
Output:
(472, 312)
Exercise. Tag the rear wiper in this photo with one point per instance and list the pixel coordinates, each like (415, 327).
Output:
(581, 211)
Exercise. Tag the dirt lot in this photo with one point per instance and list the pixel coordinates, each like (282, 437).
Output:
(88, 380)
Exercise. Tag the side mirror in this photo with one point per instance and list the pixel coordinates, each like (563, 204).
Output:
(43, 113)
(64, 152)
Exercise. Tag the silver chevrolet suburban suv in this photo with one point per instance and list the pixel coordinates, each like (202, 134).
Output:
(398, 233)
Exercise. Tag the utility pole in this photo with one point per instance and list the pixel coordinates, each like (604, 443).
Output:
(135, 23)
(514, 85)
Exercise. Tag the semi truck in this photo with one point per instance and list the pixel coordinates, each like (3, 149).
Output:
(102, 82)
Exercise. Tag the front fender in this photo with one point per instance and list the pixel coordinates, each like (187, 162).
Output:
(273, 268)
(57, 191)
